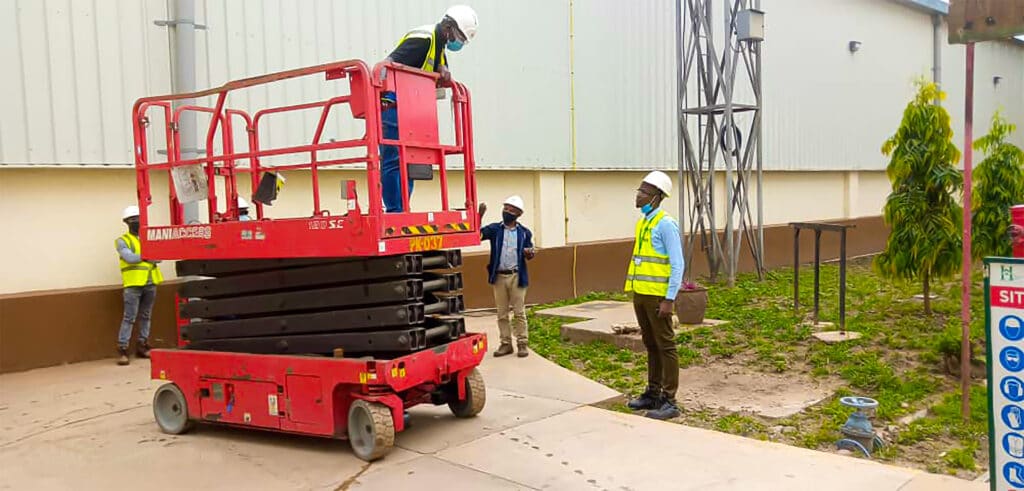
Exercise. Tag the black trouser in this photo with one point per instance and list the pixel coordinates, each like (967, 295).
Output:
(659, 338)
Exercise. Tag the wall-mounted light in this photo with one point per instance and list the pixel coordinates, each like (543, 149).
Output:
(854, 46)
(996, 80)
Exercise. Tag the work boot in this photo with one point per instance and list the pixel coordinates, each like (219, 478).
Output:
(522, 350)
(504, 349)
(648, 400)
(123, 359)
(667, 409)
(142, 349)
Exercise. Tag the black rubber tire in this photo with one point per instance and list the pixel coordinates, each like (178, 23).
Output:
(476, 397)
(371, 430)
(170, 410)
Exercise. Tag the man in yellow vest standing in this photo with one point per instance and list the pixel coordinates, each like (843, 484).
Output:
(139, 278)
(654, 277)
(424, 48)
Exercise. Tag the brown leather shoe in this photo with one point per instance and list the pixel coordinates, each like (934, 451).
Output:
(123, 359)
(522, 351)
(504, 349)
(142, 349)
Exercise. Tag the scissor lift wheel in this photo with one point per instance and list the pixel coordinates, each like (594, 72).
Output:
(371, 431)
(171, 410)
(476, 397)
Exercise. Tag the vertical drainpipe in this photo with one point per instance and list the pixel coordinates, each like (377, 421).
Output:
(572, 137)
(937, 52)
(183, 58)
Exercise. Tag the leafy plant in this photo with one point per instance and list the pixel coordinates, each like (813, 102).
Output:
(999, 184)
(923, 215)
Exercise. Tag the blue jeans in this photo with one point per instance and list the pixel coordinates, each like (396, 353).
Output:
(390, 174)
(138, 302)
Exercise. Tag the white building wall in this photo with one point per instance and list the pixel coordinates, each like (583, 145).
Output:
(79, 65)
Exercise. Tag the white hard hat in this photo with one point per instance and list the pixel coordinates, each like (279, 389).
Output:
(515, 201)
(464, 17)
(661, 181)
(131, 211)
(242, 203)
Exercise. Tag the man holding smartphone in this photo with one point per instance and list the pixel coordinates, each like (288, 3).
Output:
(511, 247)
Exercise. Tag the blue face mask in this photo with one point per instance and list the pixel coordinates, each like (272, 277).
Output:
(454, 45)
(645, 209)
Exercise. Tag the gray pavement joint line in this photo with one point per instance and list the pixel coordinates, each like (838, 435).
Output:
(538, 396)
(353, 479)
(71, 423)
(481, 437)
(909, 480)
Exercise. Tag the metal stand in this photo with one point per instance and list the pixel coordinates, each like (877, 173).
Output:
(818, 229)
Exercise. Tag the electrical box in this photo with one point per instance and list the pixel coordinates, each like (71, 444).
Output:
(750, 25)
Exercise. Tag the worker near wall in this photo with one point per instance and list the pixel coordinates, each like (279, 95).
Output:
(511, 247)
(654, 277)
(139, 278)
(243, 210)
(424, 48)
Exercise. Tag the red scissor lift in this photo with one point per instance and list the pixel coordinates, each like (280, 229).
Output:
(278, 338)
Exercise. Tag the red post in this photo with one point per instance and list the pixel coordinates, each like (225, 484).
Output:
(965, 299)
(1017, 219)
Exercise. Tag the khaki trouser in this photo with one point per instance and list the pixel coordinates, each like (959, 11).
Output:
(659, 339)
(508, 296)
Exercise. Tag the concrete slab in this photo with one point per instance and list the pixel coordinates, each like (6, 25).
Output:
(589, 448)
(126, 449)
(608, 310)
(736, 388)
(834, 337)
(534, 375)
(434, 428)
(935, 482)
(604, 317)
(418, 475)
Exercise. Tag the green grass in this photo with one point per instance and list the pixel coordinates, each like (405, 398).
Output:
(899, 360)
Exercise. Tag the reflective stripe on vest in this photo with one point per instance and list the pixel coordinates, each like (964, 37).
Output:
(649, 270)
(426, 32)
(138, 274)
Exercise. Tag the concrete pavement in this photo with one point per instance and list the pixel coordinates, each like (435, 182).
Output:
(90, 426)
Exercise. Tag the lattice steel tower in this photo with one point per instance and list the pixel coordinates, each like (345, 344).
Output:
(719, 91)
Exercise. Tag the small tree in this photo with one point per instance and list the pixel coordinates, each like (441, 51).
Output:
(923, 215)
(998, 185)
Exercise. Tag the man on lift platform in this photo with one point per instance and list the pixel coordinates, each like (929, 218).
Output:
(424, 48)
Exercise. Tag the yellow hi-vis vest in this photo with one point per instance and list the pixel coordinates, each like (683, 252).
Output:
(426, 32)
(137, 274)
(649, 270)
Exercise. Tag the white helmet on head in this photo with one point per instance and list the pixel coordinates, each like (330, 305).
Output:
(131, 211)
(464, 17)
(515, 201)
(242, 203)
(661, 181)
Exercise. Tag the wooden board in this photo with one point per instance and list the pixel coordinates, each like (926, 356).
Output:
(985, 20)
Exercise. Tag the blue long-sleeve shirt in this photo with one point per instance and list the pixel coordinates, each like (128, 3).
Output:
(665, 238)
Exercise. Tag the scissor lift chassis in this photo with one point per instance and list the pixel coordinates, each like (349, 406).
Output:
(362, 400)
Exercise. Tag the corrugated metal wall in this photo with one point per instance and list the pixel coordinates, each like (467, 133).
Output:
(625, 85)
(72, 70)
(77, 66)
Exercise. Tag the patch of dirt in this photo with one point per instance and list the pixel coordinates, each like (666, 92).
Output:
(738, 389)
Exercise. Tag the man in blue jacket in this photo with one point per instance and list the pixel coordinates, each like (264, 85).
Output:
(511, 247)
